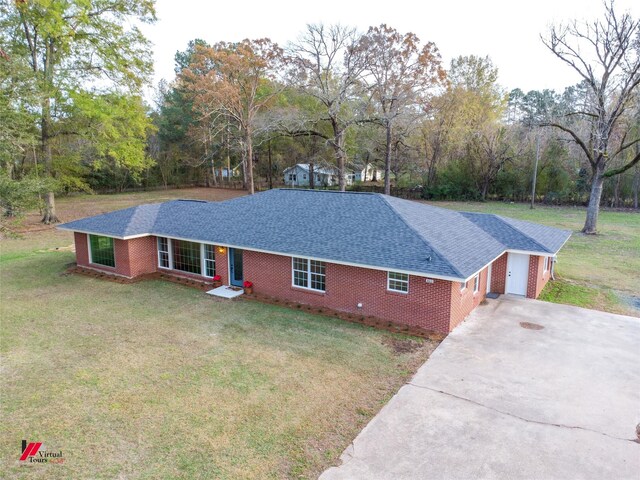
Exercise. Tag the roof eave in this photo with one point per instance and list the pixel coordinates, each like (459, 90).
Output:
(103, 234)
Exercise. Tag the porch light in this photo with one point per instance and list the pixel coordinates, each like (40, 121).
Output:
(221, 249)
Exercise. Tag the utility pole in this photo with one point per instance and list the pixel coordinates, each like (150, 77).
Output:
(270, 166)
(535, 170)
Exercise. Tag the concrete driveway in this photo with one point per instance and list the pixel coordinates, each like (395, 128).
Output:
(497, 400)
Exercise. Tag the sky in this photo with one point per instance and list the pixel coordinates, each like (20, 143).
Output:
(508, 31)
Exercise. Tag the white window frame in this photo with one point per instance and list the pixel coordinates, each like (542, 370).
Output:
(406, 282)
(546, 265)
(463, 286)
(308, 274)
(476, 283)
(91, 255)
(168, 252)
(204, 259)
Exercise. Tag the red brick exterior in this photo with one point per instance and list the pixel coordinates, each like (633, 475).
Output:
(222, 266)
(538, 278)
(82, 249)
(463, 302)
(499, 274)
(139, 255)
(427, 305)
(430, 303)
(133, 257)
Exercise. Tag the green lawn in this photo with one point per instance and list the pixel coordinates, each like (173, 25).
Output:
(594, 271)
(155, 380)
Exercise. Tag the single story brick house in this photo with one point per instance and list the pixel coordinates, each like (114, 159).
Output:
(363, 253)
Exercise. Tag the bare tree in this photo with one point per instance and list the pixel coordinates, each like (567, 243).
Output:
(611, 75)
(400, 72)
(328, 65)
(239, 81)
(489, 150)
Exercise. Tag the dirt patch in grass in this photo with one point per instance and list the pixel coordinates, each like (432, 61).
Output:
(401, 346)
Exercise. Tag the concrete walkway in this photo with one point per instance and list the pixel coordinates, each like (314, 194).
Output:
(499, 401)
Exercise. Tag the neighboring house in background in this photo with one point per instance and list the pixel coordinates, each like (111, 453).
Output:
(408, 263)
(299, 174)
(235, 171)
(367, 173)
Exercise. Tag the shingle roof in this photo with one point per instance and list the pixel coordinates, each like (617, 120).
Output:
(357, 228)
(520, 235)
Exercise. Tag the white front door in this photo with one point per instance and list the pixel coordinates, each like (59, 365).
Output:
(517, 273)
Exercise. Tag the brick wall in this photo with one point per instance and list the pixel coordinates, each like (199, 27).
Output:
(133, 257)
(438, 306)
(463, 302)
(222, 265)
(82, 249)
(141, 256)
(427, 305)
(120, 250)
(537, 277)
(499, 274)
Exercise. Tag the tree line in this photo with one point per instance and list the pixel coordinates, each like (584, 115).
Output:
(73, 119)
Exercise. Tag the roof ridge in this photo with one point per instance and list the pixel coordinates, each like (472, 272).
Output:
(424, 240)
(321, 190)
(502, 219)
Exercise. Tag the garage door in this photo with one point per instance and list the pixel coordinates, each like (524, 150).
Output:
(517, 273)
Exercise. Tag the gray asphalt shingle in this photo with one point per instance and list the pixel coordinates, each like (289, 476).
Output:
(519, 234)
(359, 228)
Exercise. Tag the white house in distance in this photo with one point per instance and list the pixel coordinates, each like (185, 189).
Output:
(323, 175)
(327, 175)
(230, 173)
(366, 173)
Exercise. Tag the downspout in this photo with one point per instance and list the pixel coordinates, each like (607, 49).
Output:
(554, 259)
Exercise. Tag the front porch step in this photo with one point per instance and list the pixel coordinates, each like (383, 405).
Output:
(226, 292)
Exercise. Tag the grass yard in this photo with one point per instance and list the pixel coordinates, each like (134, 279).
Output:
(593, 271)
(155, 380)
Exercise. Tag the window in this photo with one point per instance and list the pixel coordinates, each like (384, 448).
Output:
(398, 282)
(101, 251)
(463, 286)
(309, 274)
(304, 176)
(186, 256)
(546, 264)
(209, 261)
(163, 252)
(318, 275)
(300, 277)
(476, 283)
(290, 177)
